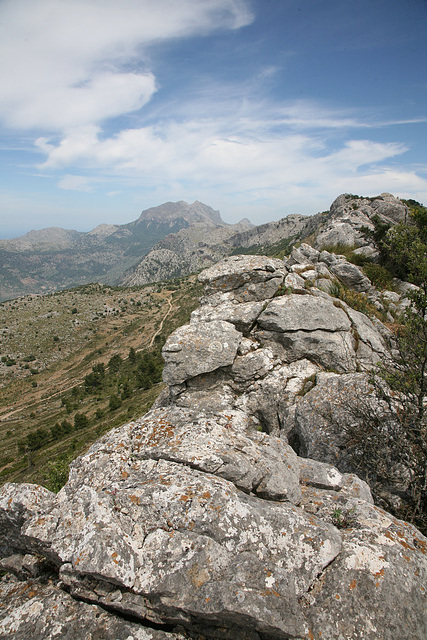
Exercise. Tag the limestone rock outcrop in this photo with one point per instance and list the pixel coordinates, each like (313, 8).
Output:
(349, 215)
(220, 512)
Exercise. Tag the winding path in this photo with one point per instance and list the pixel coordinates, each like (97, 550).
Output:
(161, 324)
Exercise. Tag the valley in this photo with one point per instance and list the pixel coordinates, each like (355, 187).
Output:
(50, 345)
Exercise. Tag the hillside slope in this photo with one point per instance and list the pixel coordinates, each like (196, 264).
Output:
(52, 259)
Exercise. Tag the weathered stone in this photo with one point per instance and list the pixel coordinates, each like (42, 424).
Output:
(315, 424)
(199, 348)
(303, 313)
(320, 475)
(248, 277)
(294, 282)
(376, 588)
(259, 464)
(390, 208)
(264, 399)
(370, 346)
(18, 503)
(186, 541)
(351, 275)
(303, 254)
(340, 233)
(33, 610)
(242, 316)
(253, 365)
(310, 326)
(310, 274)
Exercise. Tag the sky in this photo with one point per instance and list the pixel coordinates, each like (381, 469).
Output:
(258, 108)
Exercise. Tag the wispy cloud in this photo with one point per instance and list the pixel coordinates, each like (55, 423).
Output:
(67, 64)
(237, 155)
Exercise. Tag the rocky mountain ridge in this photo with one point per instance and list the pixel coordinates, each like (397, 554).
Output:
(188, 251)
(52, 259)
(230, 510)
(174, 240)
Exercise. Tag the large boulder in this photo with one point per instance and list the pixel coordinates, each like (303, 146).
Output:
(199, 348)
(163, 535)
(34, 610)
(350, 216)
(247, 277)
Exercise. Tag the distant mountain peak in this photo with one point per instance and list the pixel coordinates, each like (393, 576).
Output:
(103, 230)
(192, 213)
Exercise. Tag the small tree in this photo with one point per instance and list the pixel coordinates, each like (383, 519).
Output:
(114, 363)
(389, 439)
(80, 421)
(115, 402)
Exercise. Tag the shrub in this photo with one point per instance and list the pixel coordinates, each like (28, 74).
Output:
(57, 474)
(80, 421)
(114, 363)
(115, 402)
(379, 275)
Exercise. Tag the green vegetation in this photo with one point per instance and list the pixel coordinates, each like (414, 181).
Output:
(393, 437)
(104, 370)
(355, 300)
(344, 519)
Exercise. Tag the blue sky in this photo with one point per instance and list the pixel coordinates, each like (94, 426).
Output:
(258, 108)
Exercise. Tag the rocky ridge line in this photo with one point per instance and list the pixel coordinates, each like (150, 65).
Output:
(199, 518)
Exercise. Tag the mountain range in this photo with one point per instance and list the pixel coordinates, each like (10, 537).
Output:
(170, 241)
(54, 258)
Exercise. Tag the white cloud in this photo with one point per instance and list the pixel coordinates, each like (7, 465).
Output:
(67, 66)
(75, 183)
(67, 63)
(226, 159)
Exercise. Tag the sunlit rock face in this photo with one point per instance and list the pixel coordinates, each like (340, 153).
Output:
(222, 512)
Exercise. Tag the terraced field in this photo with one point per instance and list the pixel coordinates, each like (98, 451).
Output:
(77, 363)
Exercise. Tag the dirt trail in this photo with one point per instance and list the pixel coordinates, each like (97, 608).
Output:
(27, 405)
(161, 324)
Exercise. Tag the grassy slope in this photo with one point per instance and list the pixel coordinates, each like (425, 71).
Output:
(55, 340)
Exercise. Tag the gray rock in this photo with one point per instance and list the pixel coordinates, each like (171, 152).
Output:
(295, 282)
(243, 316)
(187, 542)
(315, 424)
(340, 233)
(266, 466)
(369, 592)
(320, 475)
(253, 365)
(248, 277)
(351, 276)
(310, 326)
(370, 345)
(303, 254)
(327, 258)
(18, 503)
(199, 348)
(35, 610)
(390, 208)
(303, 313)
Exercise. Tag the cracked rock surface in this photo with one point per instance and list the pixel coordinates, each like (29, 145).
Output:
(200, 518)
